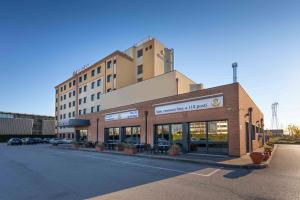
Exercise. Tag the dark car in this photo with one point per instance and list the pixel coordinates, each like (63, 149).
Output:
(37, 140)
(14, 141)
(28, 141)
(46, 140)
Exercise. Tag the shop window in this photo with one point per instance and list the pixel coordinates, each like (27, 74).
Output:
(162, 134)
(113, 134)
(132, 134)
(176, 133)
(198, 131)
(217, 131)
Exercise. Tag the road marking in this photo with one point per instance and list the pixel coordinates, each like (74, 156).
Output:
(144, 165)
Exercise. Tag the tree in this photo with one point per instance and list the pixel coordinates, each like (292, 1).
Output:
(294, 130)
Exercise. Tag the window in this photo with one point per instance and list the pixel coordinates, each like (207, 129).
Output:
(139, 79)
(108, 78)
(56, 91)
(146, 48)
(92, 85)
(113, 134)
(92, 97)
(93, 73)
(176, 133)
(56, 109)
(98, 70)
(150, 47)
(65, 87)
(70, 84)
(92, 109)
(84, 99)
(61, 107)
(98, 82)
(162, 134)
(79, 112)
(80, 79)
(70, 114)
(56, 100)
(60, 116)
(198, 131)
(61, 98)
(64, 116)
(61, 89)
(84, 88)
(73, 113)
(108, 90)
(115, 75)
(132, 134)
(98, 95)
(64, 106)
(140, 53)
(80, 90)
(74, 82)
(84, 111)
(84, 76)
(74, 93)
(79, 101)
(70, 94)
(65, 96)
(98, 108)
(70, 104)
(115, 61)
(109, 64)
(140, 69)
(73, 103)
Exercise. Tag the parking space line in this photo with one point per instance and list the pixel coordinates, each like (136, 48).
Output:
(133, 163)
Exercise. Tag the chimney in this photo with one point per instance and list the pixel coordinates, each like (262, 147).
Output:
(234, 67)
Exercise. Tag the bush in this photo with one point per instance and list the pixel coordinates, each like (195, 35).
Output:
(271, 144)
(99, 144)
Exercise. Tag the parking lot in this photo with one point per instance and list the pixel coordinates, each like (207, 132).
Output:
(45, 172)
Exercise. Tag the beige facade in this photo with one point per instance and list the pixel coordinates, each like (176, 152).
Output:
(83, 92)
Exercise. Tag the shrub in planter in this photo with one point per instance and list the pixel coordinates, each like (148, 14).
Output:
(174, 150)
(130, 149)
(268, 149)
(270, 144)
(119, 147)
(99, 146)
(257, 157)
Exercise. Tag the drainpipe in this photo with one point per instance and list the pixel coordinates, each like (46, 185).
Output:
(97, 129)
(146, 126)
(250, 129)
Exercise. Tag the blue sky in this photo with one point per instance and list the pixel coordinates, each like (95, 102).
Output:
(43, 42)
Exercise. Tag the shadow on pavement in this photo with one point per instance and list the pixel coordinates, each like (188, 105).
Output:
(237, 173)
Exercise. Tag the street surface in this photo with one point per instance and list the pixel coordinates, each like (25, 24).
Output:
(44, 172)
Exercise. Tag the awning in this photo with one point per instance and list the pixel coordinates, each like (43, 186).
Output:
(73, 123)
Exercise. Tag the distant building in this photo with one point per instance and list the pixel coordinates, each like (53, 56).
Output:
(21, 125)
(276, 132)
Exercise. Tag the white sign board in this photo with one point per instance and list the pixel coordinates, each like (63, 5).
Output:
(214, 102)
(122, 115)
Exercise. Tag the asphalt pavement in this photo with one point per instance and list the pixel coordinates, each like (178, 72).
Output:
(42, 172)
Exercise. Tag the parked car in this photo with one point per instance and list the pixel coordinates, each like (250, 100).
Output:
(37, 140)
(67, 141)
(28, 141)
(14, 141)
(46, 140)
(56, 141)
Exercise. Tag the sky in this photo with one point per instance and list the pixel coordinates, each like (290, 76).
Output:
(43, 42)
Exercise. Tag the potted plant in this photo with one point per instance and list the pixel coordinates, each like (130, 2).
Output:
(119, 147)
(268, 150)
(130, 149)
(99, 146)
(76, 145)
(257, 157)
(266, 156)
(174, 150)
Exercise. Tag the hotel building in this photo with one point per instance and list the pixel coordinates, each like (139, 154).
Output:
(137, 95)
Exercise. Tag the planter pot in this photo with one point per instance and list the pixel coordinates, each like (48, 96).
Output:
(266, 156)
(257, 157)
(131, 151)
(119, 148)
(173, 153)
(99, 149)
(269, 152)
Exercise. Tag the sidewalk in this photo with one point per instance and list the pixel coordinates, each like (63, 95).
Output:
(216, 160)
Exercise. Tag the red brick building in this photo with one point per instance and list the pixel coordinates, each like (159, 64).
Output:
(221, 119)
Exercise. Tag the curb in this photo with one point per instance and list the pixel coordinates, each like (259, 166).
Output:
(271, 157)
(157, 157)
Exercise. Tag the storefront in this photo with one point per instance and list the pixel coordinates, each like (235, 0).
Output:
(215, 120)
